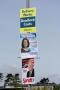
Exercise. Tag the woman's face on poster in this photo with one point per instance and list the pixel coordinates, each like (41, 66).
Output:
(25, 43)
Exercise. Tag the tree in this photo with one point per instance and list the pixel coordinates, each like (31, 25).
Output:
(8, 79)
(44, 81)
(1, 76)
(16, 80)
(12, 80)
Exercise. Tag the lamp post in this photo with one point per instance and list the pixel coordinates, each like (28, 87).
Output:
(27, 3)
(27, 6)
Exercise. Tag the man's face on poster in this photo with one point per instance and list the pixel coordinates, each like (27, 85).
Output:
(30, 65)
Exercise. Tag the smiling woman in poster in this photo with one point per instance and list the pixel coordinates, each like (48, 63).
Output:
(25, 45)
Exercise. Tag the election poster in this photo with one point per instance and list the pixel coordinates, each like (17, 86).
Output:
(28, 44)
(26, 30)
(28, 71)
(27, 20)
(27, 12)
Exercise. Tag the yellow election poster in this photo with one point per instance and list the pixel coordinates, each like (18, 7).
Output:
(27, 12)
(30, 29)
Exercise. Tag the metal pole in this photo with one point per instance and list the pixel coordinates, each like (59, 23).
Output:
(27, 3)
(27, 6)
(29, 87)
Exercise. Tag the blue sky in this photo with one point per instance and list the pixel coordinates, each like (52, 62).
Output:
(48, 34)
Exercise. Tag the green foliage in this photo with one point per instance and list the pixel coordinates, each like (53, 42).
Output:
(1, 76)
(13, 80)
(44, 81)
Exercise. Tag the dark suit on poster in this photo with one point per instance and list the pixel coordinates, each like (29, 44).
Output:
(30, 74)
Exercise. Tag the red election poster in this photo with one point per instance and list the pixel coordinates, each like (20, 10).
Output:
(28, 71)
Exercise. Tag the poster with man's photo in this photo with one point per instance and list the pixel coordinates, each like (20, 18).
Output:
(28, 43)
(28, 71)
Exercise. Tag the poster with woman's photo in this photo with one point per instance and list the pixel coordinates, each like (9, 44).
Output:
(28, 43)
(28, 71)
